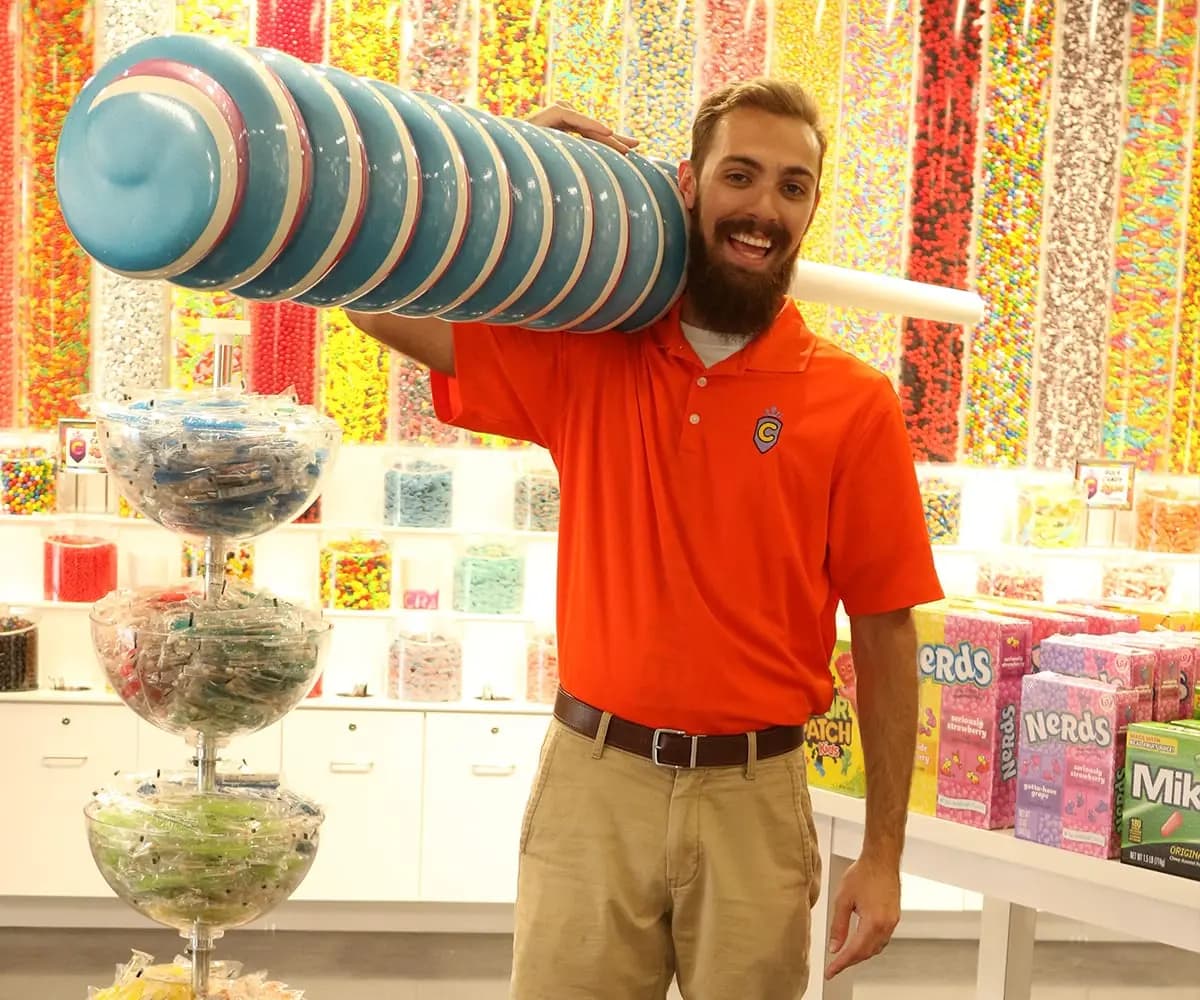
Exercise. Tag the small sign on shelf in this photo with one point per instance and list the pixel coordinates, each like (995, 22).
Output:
(1108, 484)
(79, 447)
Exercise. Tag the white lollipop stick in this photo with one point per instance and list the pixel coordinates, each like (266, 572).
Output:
(840, 286)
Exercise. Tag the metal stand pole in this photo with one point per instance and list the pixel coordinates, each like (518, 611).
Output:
(201, 948)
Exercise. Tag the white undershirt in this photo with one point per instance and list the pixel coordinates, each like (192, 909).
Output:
(712, 348)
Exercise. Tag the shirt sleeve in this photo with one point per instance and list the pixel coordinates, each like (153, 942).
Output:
(507, 381)
(880, 558)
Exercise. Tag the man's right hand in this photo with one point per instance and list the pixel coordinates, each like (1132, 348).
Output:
(566, 119)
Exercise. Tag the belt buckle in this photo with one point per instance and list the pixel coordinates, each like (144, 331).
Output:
(656, 746)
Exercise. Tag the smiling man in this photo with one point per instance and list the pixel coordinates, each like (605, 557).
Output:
(727, 478)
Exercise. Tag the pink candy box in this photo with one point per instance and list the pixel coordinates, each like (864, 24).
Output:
(1043, 622)
(1091, 656)
(1172, 686)
(1072, 762)
(1101, 621)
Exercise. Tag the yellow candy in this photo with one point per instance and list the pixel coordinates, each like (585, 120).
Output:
(355, 373)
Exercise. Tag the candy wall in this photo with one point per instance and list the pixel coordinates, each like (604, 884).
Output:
(1039, 152)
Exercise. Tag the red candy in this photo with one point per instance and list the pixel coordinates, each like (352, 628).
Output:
(283, 349)
(79, 568)
(733, 44)
(943, 187)
(296, 27)
(8, 213)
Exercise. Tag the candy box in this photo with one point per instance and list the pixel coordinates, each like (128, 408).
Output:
(1043, 621)
(1089, 656)
(1172, 697)
(970, 665)
(1071, 759)
(832, 740)
(1161, 823)
(1101, 621)
(1153, 615)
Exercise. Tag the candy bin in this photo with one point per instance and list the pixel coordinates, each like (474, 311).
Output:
(356, 574)
(239, 562)
(79, 564)
(141, 979)
(489, 579)
(1168, 520)
(28, 481)
(18, 650)
(418, 494)
(1142, 581)
(541, 669)
(536, 500)
(425, 666)
(1051, 515)
(942, 500)
(1010, 578)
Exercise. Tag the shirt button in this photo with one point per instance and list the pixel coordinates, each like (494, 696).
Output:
(694, 418)
(702, 381)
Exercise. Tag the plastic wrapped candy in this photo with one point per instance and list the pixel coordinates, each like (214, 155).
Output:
(356, 575)
(943, 510)
(223, 667)
(541, 669)
(28, 481)
(141, 979)
(1168, 521)
(78, 567)
(18, 650)
(418, 494)
(223, 464)
(536, 500)
(425, 666)
(221, 858)
(489, 579)
(1142, 581)
(1051, 516)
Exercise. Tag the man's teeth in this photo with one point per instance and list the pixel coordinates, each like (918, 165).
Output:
(754, 241)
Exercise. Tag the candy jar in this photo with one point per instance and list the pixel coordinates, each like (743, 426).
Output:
(356, 574)
(942, 500)
(18, 649)
(541, 669)
(1051, 515)
(239, 562)
(79, 563)
(418, 494)
(1136, 580)
(1168, 520)
(489, 579)
(1019, 579)
(28, 480)
(425, 666)
(536, 499)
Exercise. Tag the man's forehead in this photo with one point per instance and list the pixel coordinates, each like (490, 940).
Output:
(775, 141)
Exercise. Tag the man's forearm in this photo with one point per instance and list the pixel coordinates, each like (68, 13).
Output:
(885, 662)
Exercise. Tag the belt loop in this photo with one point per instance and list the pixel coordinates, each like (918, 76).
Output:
(601, 735)
(751, 754)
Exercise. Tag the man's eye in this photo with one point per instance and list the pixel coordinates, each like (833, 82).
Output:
(737, 178)
(794, 190)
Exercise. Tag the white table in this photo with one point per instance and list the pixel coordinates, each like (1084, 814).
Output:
(1016, 880)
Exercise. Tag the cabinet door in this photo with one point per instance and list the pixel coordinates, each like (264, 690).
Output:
(52, 758)
(259, 753)
(478, 772)
(364, 769)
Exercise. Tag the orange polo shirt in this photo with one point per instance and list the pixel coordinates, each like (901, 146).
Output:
(711, 519)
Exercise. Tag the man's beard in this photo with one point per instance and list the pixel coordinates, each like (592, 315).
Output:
(728, 300)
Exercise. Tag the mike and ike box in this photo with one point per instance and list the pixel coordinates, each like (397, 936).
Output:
(832, 740)
(1161, 820)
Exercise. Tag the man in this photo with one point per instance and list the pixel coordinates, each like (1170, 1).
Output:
(726, 479)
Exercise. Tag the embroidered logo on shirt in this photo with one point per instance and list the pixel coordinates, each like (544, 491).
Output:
(767, 430)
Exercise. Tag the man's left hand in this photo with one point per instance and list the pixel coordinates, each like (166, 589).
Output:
(870, 890)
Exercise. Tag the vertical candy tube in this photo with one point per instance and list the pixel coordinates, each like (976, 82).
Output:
(587, 61)
(1009, 233)
(283, 335)
(872, 166)
(513, 41)
(191, 348)
(660, 50)
(942, 191)
(438, 54)
(132, 318)
(365, 40)
(53, 310)
(1085, 150)
(1185, 402)
(1150, 219)
(807, 47)
(733, 42)
(10, 41)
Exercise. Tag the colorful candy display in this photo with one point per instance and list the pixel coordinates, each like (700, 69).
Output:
(192, 353)
(1085, 152)
(365, 38)
(354, 379)
(296, 27)
(536, 501)
(223, 666)
(356, 575)
(943, 510)
(733, 42)
(489, 579)
(18, 652)
(412, 406)
(807, 47)
(1051, 516)
(1185, 402)
(10, 44)
(943, 187)
(219, 858)
(541, 669)
(418, 494)
(283, 349)
(513, 40)
(78, 567)
(1021, 581)
(1008, 238)
(28, 481)
(660, 51)
(1168, 521)
(130, 21)
(588, 60)
(872, 166)
(141, 979)
(54, 274)
(1141, 581)
(1150, 219)
(132, 319)
(425, 666)
(239, 563)
(439, 48)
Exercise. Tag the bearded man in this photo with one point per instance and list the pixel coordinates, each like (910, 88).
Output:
(727, 479)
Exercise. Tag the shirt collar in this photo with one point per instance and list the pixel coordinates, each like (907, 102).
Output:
(786, 347)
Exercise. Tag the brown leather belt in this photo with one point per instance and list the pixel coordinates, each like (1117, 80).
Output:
(672, 747)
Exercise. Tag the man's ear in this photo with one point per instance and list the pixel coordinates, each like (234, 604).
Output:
(687, 183)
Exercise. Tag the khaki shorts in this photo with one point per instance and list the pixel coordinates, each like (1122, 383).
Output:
(631, 874)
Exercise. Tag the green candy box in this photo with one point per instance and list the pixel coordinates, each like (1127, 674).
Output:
(1161, 825)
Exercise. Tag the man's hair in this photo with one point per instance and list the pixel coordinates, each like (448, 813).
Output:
(777, 97)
